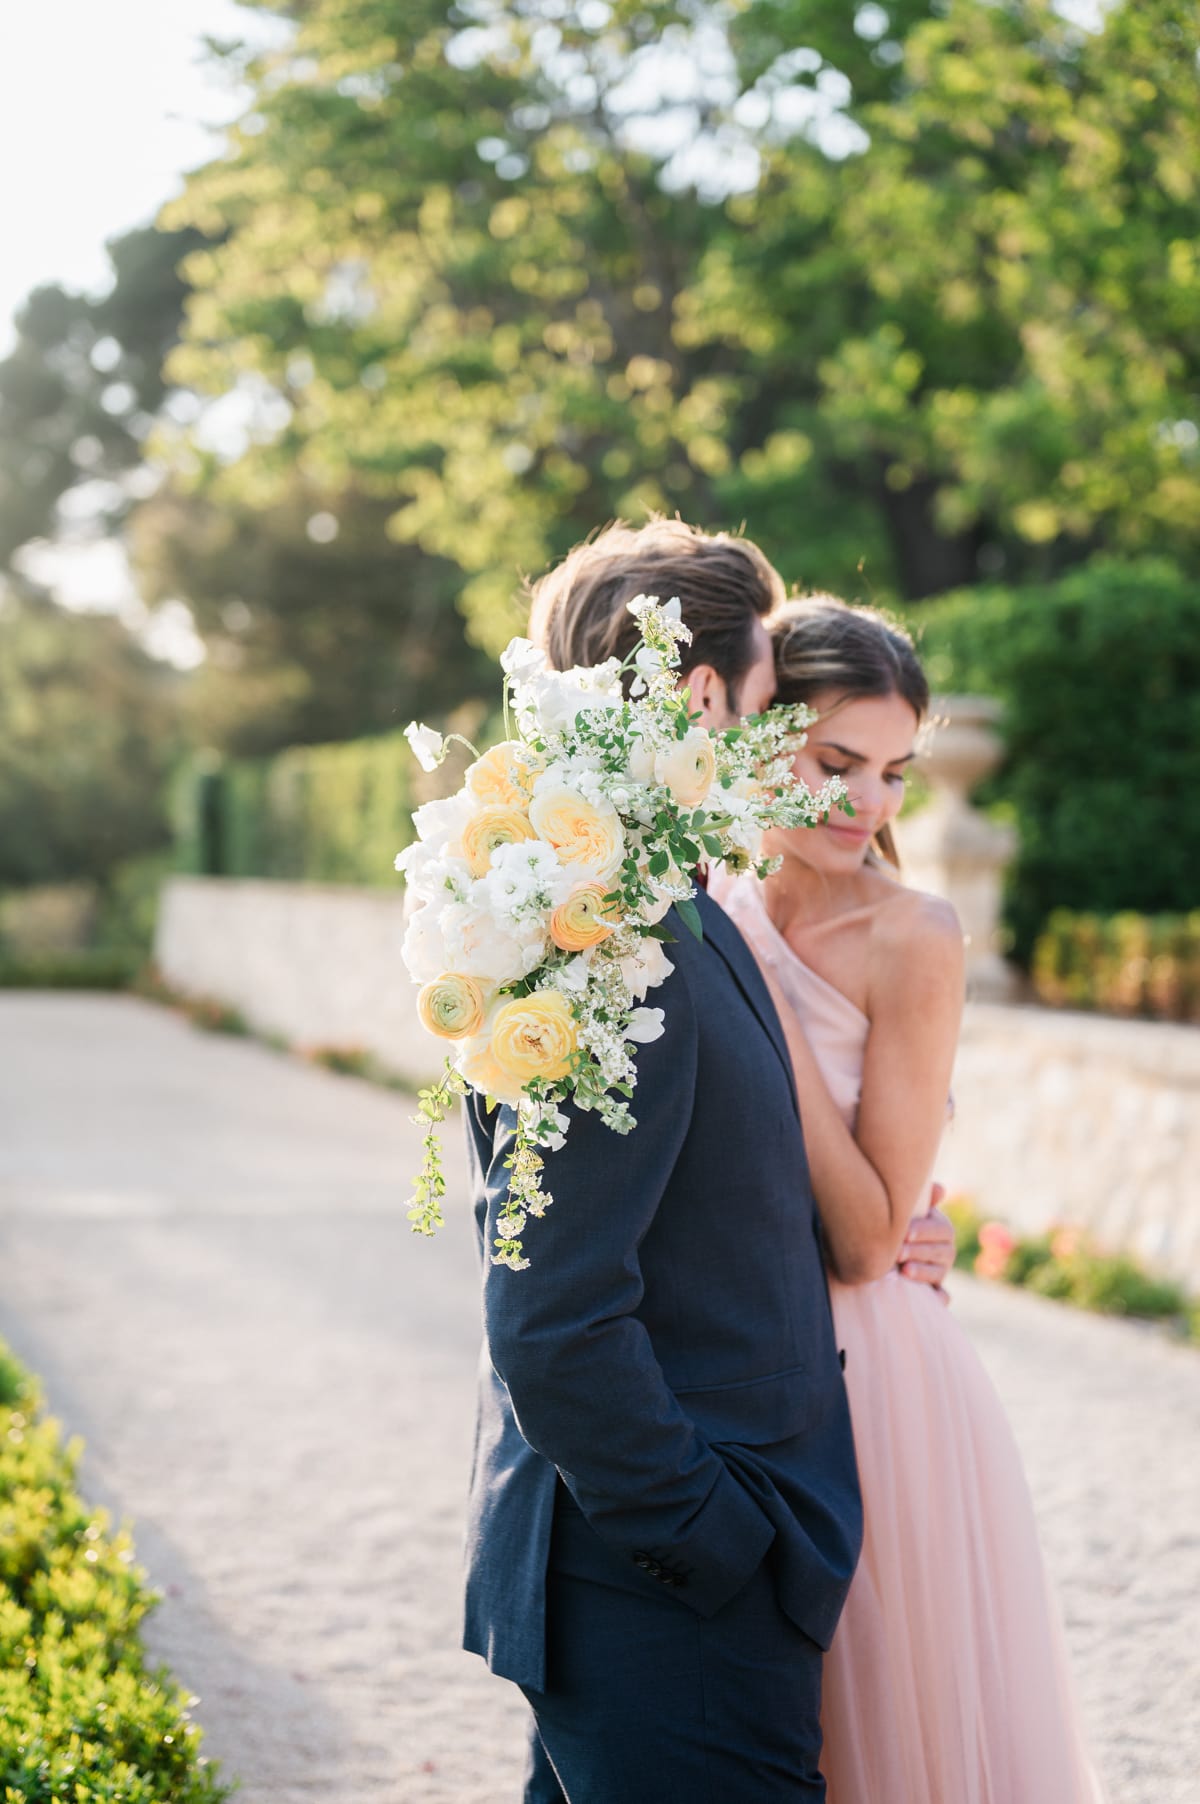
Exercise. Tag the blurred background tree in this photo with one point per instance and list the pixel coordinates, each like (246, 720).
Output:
(911, 290)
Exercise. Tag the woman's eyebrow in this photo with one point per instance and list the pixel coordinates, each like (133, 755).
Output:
(831, 745)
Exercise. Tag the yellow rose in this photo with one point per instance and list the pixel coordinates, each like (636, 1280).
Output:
(452, 1006)
(477, 1063)
(580, 922)
(490, 828)
(688, 767)
(534, 1036)
(504, 777)
(579, 832)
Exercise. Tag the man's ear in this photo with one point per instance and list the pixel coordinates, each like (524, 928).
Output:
(709, 694)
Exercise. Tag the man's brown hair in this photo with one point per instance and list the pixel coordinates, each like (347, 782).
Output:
(579, 611)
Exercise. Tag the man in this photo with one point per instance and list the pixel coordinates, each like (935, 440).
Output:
(664, 1509)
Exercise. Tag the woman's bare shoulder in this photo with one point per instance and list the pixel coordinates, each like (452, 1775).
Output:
(915, 938)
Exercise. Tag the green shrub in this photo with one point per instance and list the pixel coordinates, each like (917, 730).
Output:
(1125, 964)
(82, 1718)
(92, 969)
(1100, 675)
(128, 910)
(322, 813)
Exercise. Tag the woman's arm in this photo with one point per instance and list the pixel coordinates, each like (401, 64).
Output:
(868, 1183)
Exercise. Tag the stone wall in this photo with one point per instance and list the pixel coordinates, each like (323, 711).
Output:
(1058, 1117)
(318, 963)
(1072, 1117)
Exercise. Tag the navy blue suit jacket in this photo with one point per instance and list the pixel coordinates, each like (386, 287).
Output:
(670, 1351)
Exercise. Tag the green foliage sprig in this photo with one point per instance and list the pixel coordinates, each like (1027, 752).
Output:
(429, 1185)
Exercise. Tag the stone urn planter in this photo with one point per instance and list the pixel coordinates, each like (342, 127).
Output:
(954, 851)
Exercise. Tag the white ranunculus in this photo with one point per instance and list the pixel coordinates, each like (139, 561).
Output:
(429, 748)
(645, 1025)
(478, 944)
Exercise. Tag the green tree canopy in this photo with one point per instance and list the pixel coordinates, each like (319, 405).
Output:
(910, 286)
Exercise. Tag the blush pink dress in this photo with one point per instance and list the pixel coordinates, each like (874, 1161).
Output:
(948, 1680)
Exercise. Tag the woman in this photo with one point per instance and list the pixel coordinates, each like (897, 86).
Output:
(947, 1682)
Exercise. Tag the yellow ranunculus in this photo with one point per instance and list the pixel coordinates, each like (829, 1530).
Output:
(688, 767)
(534, 1036)
(504, 777)
(579, 832)
(452, 1006)
(490, 828)
(580, 921)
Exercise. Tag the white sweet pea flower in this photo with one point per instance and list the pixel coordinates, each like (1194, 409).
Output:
(522, 660)
(429, 747)
(525, 878)
(645, 1025)
(646, 969)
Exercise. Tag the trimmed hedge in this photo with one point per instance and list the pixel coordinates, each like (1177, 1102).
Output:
(82, 1717)
(1125, 964)
(1100, 676)
(325, 813)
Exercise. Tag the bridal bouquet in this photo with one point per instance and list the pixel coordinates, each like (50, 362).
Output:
(542, 886)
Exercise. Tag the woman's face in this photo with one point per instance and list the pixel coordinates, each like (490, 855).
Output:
(868, 741)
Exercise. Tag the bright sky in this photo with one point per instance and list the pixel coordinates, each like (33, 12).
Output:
(103, 103)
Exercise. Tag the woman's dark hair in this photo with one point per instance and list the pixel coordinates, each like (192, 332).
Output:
(822, 643)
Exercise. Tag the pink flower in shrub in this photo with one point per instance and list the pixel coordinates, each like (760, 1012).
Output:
(996, 1244)
(1065, 1242)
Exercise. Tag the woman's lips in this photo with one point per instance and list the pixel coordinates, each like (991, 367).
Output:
(853, 836)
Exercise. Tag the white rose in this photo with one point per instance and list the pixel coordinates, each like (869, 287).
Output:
(430, 872)
(444, 819)
(424, 949)
(478, 945)
(688, 767)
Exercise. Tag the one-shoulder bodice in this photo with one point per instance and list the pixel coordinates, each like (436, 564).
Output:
(835, 1028)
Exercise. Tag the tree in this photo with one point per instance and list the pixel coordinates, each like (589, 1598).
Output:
(87, 738)
(911, 286)
(1013, 375)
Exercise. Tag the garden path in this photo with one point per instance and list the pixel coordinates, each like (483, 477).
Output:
(203, 1252)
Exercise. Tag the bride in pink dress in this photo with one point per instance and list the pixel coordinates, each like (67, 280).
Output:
(948, 1680)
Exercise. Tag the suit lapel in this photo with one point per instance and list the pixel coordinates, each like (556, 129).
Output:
(721, 934)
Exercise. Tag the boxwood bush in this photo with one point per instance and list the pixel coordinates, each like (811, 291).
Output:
(1125, 964)
(1100, 675)
(83, 1719)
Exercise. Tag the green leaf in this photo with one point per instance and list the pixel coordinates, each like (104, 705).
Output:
(689, 914)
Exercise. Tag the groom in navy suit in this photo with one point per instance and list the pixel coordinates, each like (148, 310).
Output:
(664, 1513)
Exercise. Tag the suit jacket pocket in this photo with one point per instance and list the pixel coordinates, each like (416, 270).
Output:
(754, 1411)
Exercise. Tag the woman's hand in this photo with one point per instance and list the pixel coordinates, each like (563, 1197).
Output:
(927, 1252)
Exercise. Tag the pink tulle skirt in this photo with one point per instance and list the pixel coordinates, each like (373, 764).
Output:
(948, 1680)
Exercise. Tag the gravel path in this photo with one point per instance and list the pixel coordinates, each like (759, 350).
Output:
(203, 1253)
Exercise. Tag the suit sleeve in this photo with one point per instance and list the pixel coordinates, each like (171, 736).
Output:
(586, 1388)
